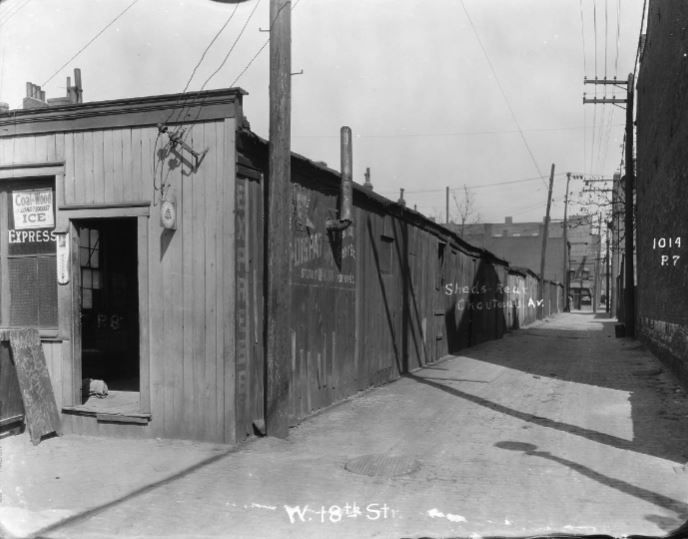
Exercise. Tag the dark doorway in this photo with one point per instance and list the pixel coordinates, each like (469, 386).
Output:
(109, 302)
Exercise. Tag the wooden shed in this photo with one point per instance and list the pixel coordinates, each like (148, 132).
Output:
(117, 242)
(132, 235)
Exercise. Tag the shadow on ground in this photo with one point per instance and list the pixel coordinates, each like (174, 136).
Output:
(589, 353)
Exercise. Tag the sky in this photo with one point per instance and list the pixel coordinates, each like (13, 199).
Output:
(486, 94)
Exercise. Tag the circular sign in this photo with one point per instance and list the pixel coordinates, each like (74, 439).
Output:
(168, 214)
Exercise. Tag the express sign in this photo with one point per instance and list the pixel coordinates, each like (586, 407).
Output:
(32, 222)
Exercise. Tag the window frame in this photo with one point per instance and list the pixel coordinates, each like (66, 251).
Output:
(53, 174)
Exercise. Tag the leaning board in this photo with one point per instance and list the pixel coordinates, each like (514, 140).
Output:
(40, 408)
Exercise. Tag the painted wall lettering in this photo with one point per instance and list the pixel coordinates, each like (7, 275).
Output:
(669, 259)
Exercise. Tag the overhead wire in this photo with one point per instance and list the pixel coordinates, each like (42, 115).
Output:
(594, 111)
(585, 68)
(212, 41)
(224, 61)
(476, 186)
(9, 15)
(180, 113)
(618, 37)
(503, 92)
(234, 44)
(258, 52)
(606, 34)
(449, 133)
(94, 38)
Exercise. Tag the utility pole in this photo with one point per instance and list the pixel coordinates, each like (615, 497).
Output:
(629, 181)
(629, 291)
(565, 273)
(278, 225)
(545, 232)
(598, 257)
(607, 270)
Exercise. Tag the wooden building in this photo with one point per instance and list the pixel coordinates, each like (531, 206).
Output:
(132, 236)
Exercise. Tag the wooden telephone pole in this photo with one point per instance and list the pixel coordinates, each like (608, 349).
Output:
(278, 226)
(565, 273)
(629, 182)
(545, 232)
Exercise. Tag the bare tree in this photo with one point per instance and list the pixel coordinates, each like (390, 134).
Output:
(468, 212)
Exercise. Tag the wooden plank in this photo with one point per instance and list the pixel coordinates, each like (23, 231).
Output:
(173, 318)
(91, 183)
(211, 171)
(125, 175)
(156, 291)
(42, 417)
(105, 179)
(242, 358)
(144, 317)
(70, 177)
(190, 396)
(197, 250)
(228, 276)
(53, 359)
(136, 183)
(11, 404)
(146, 111)
(218, 282)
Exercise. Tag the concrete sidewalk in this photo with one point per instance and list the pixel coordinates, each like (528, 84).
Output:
(559, 427)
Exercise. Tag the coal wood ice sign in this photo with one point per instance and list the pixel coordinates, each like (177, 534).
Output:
(32, 222)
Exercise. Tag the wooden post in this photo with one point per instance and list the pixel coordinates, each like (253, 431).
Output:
(598, 256)
(278, 226)
(565, 273)
(629, 290)
(541, 295)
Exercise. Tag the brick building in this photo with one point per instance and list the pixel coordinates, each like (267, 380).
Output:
(662, 183)
(521, 244)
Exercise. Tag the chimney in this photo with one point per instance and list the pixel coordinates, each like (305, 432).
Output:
(35, 97)
(401, 198)
(368, 184)
(508, 220)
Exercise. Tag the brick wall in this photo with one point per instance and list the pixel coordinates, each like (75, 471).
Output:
(662, 183)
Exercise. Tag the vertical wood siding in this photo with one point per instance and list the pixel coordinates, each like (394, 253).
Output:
(190, 270)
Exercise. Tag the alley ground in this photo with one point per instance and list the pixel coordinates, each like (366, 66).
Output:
(559, 427)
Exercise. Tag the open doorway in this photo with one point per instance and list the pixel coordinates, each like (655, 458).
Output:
(109, 312)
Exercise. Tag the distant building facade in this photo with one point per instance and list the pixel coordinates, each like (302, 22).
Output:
(521, 244)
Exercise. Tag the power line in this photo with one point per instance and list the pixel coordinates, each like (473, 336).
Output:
(224, 61)
(585, 69)
(618, 37)
(594, 19)
(82, 49)
(181, 112)
(499, 84)
(258, 52)
(453, 133)
(231, 49)
(217, 35)
(508, 182)
(606, 34)
(12, 14)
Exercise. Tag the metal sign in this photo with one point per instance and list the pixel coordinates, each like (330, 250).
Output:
(63, 265)
(33, 209)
